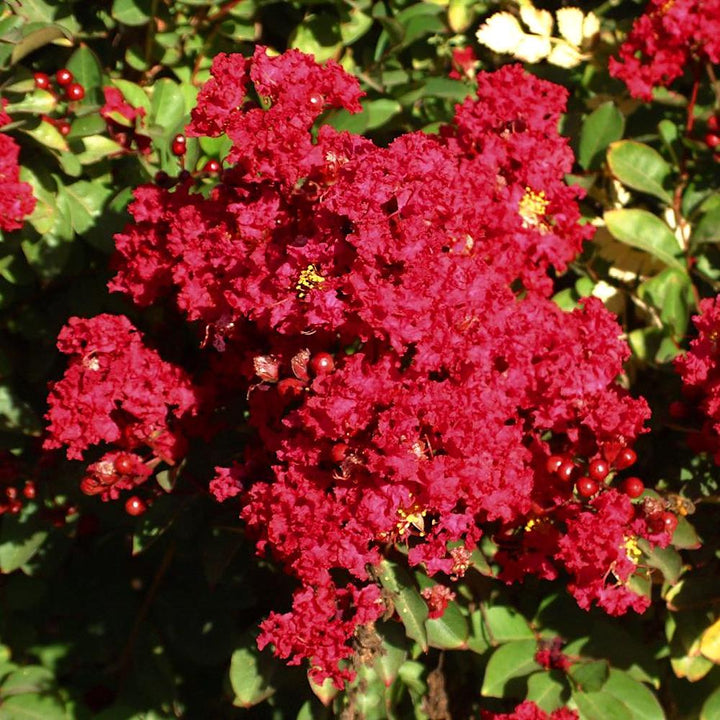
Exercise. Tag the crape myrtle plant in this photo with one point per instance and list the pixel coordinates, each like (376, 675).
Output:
(359, 360)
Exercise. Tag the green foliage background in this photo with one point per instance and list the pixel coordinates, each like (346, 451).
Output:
(109, 617)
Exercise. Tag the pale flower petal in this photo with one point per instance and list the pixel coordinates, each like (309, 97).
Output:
(591, 26)
(564, 55)
(501, 33)
(539, 21)
(570, 24)
(532, 48)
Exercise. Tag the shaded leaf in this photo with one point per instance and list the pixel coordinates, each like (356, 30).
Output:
(645, 231)
(510, 661)
(603, 126)
(640, 167)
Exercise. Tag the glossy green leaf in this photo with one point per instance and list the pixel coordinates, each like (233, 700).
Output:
(711, 707)
(647, 232)
(407, 600)
(666, 560)
(637, 697)
(590, 676)
(251, 675)
(505, 624)
(603, 126)
(132, 12)
(547, 689)
(47, 135)
(671, 293)
(167, 107)
(392, 653)
(86, 68)
(38, 102)
(707, 228)
(601, 706)
(510, 661)
(318, 35)
(37, 39)
(449, 631)
(32, 707)
(21, 536)
(641, 168)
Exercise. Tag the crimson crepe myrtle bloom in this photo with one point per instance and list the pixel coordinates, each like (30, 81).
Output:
(431, 259)
(664, 41)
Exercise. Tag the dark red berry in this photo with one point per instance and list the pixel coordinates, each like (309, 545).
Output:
(11, 493)
(91, 485)
(212, 166)
(586, 487)
(29, 490)
(713, 123)
(598, 470)
(124, 464)
(179, 145)
(670, 522)
(712, 140)
(63, 127)
(75, 91)
(162, 179)
(625, 458)
(135, 506)
(42, 81)
(322, 363)
(633, 487)
(64, 77)
(566, 470)
(554, 462)
(14, 507)
(338, 452)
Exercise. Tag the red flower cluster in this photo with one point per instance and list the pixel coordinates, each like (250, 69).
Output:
(669, 37)
(530, 711)
(117, 391)
(385, 314)
(16, 198)
(700, 373)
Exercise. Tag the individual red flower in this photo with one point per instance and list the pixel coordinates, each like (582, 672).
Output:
(664, 41)
(16, 197)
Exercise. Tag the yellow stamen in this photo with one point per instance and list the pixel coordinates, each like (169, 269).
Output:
(532, 208)
(309, 279)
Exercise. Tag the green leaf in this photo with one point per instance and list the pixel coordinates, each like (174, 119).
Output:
(134, 94)
(407, 600)
(132, 12)
(86, 68)
(640, 167)
(355, 27)
(707, 229)
(603, 126)
(167, 107)
(711, 707)
(547, 689)
(505, 624)
(685, 536)
(16, 415)
(637, 697)
(47, 135)
(37, 39)
(250, 675)
(601, 706)
(510, 661)
(38, 102)
(318, 35)
(392, 654)
(29, 679)
(645, 231)
(589, 676)
(666, 560)
(32, 707)
(671, 293)
(449, 631)
(21, 536)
